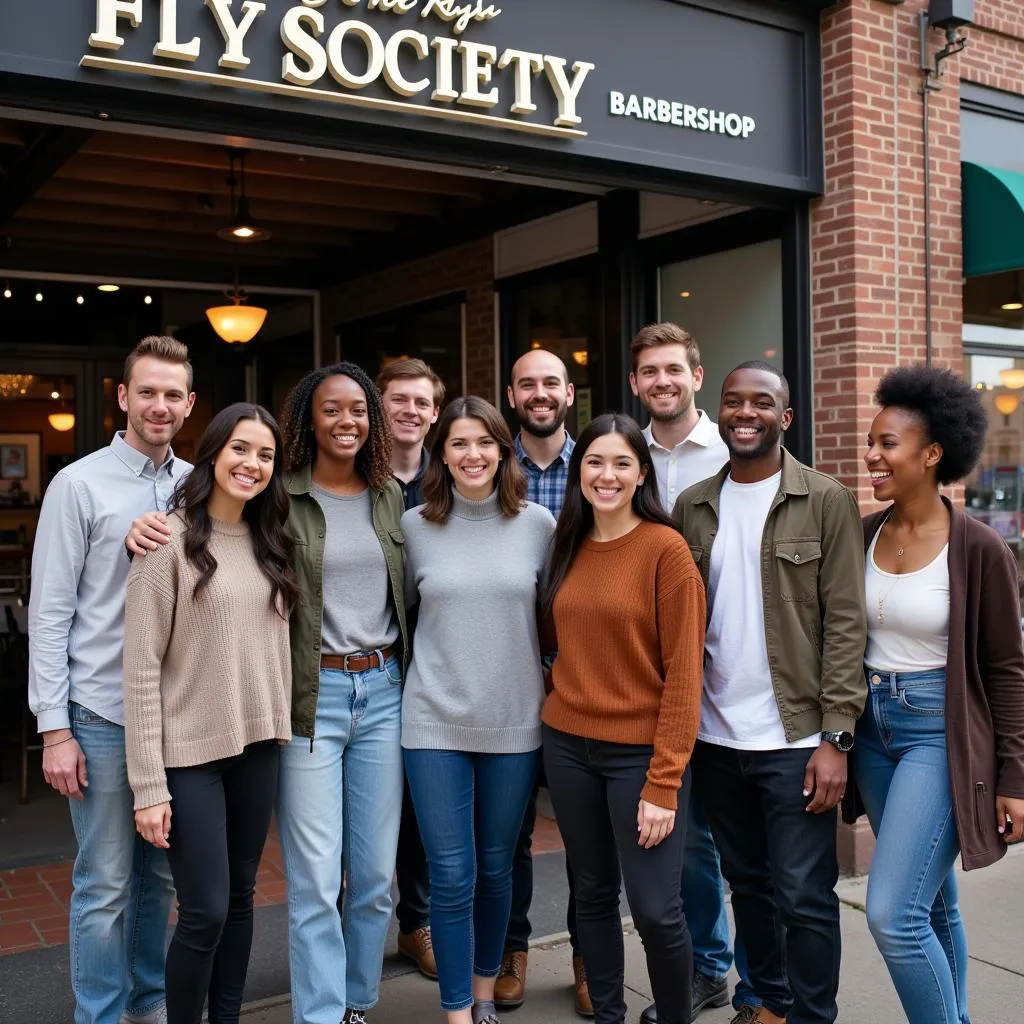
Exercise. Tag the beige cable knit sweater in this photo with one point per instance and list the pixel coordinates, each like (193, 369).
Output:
(202, 679)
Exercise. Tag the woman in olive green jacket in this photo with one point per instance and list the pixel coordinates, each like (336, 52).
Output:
(340, 795)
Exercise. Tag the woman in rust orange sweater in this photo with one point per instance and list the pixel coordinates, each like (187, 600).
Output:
(628, 609)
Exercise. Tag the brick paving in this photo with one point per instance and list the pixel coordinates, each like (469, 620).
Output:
(34, 900)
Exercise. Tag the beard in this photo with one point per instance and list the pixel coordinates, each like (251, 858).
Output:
(769, 439)
(148, 432)
(544, 429)
(683, 407)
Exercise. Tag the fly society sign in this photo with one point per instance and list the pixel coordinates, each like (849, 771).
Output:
(334, 49)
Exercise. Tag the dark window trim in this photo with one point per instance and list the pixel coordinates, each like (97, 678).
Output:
(974, 348)
(412, 308)
(994, 102)
(792, 228)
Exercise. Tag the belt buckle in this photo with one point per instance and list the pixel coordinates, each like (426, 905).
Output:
(365, 655)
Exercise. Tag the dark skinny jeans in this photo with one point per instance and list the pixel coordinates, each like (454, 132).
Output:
(220, 818)
(595, 787)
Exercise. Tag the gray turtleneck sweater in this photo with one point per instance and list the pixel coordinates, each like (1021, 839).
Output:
(475, 681)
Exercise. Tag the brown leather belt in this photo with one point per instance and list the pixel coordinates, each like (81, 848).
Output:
(358, 662)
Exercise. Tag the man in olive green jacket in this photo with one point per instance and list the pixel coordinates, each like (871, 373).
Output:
(780, 548)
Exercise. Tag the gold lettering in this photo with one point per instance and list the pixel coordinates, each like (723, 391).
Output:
(168, 45)
(462, 14)
(234, 35)
(107, 13)
(420, 45)
(477, 67)
(566, 92)
(374, 50)
(303, 44)
(444, 86)
(526, 66)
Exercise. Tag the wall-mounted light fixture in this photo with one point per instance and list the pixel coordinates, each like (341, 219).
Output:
(948, 16)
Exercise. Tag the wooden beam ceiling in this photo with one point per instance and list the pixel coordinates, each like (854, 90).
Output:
(36, 163)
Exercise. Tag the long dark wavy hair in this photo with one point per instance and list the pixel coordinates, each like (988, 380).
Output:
(266, 513)
(373, 460)
(577, 516)
(509, 481)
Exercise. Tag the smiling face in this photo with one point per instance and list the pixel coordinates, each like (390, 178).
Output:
(472, 456)
(665, 383)
(754, 413)
(157, 401)
(341, 418)
(900, 458)
(610, 473)
(409, 406)
(540, 393)
(244, 466)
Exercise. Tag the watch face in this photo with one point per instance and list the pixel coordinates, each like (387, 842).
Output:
(844, 740)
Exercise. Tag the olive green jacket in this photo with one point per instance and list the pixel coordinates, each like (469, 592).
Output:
(812, 581)
(309, 528)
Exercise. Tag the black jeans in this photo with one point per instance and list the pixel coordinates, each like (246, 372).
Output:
(411, 872)
(780, 863)
(517, 937)
(595, 788)
(219, 822)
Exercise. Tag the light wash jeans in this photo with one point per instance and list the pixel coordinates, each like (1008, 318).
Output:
(903, 776)
(704, 905)
(339, 808)
(122, 887)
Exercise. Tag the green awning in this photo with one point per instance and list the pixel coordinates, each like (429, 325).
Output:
(993, 218)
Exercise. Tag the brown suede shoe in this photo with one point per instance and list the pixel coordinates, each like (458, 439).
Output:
(510, 988)
(418, 947)
(583, 1006)
(756, 1015)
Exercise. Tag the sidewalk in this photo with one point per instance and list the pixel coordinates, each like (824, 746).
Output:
(992, 902)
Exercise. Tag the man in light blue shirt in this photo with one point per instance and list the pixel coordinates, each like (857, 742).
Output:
(122, 886)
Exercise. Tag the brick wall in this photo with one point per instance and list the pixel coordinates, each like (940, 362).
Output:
(467, 268)
(867, 231)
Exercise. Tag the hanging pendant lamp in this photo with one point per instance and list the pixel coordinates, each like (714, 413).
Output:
(242, 227)
(238, 323)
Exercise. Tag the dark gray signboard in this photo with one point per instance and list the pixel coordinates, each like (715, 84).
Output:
(728, 91)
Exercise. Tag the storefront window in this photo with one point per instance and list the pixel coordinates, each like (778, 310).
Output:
(731, 302)
(557, 316)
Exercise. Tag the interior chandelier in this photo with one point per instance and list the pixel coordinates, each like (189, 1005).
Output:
(14, 384)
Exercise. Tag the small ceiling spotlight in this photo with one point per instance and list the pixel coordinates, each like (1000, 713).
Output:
(148, 300)
(80, 300)
(108, 287)
(7, 290)
(39, 296)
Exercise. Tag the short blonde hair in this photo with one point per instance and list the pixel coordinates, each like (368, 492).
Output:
(162, 347)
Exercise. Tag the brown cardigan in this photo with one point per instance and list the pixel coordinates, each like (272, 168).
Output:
(984, 684)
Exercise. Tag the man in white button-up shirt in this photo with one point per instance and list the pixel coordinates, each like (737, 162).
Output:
(122, 886)
(687, 448)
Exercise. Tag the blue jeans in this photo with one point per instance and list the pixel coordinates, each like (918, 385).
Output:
(912, 909)
(470, 808)
(704, 905)
(339, 807)
(122, 887)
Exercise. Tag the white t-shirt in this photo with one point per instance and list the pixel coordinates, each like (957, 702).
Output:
(739, 708)
(702, 453)
(908, 615)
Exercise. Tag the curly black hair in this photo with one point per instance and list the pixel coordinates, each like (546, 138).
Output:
(951, 410)
(373, 460)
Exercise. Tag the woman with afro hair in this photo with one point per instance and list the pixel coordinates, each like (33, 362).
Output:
(939, 759)
(340, 791)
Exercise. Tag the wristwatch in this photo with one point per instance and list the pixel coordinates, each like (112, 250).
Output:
(842, 741)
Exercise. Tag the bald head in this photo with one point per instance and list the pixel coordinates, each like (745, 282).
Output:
(540, 392)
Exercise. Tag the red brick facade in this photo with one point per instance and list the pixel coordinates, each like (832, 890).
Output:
(867, 231)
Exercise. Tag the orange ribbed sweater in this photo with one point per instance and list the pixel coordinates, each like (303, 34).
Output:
(629, 620)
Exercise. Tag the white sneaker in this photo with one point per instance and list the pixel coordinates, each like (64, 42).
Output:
(158, 1015)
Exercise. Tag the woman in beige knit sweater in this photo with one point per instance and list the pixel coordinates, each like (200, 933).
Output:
(207, 690)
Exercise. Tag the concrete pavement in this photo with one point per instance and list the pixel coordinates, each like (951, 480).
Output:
(992, 903)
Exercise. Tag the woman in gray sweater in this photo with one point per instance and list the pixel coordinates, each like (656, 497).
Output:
(475, 554)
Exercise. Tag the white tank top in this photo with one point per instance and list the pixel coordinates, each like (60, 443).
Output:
(908, 615)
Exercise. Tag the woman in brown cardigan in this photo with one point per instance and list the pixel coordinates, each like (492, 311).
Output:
(939, 760)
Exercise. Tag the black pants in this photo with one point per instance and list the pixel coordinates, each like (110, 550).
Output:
(220, 818)
(411, 872)
(780, 863)
(595, 788)
(517, 937)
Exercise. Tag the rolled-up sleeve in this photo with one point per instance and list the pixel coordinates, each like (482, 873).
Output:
(58, 558)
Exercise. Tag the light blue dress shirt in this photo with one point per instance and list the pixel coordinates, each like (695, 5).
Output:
(79, 570)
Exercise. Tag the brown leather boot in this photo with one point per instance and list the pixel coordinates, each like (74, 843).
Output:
(583, 1006)
(510, 988)
(757, 1015)
(418, 947)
